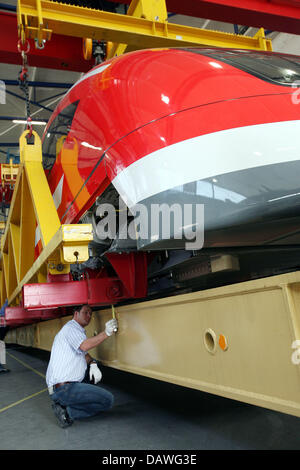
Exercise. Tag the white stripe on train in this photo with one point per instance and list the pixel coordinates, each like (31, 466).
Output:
(208, 155)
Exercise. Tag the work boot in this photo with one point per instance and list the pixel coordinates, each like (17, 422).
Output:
(62, 415)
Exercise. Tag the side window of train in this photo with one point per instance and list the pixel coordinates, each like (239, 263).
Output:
(276, 68)
(56, 135)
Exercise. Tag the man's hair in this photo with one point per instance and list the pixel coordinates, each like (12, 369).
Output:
(77, 308)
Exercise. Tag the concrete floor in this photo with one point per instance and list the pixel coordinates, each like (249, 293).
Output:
(147, 415)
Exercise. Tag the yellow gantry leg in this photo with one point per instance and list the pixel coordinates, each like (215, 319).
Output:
(33, 207)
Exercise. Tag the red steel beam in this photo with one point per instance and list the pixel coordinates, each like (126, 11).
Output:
(61, 52)
(20, 316)
(50, 300)
(276, 15)
(51, 295)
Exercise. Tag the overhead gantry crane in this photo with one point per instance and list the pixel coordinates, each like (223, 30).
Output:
(234, 327)
(145, 25)
(64, 52)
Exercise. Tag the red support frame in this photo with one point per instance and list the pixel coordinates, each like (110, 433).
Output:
(54, 298)
(131, 269)
(52, 295)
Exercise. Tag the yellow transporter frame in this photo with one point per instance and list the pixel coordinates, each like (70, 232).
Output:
(32, 208)
(237, 341)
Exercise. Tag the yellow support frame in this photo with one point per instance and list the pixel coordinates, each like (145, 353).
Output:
(243, 343)
(141, 29)
(154, 10)
(33, 208)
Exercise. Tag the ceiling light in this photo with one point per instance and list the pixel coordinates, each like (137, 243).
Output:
(33, 123)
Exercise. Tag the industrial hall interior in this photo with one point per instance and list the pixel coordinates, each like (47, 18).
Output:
(149, 227)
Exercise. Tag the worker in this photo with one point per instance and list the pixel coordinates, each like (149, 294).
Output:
(72, 374)
(3, 368)
(3, 331)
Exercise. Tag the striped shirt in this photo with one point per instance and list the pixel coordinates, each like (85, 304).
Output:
(67, 362)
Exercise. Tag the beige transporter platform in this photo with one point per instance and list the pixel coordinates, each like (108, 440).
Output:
(237, 341)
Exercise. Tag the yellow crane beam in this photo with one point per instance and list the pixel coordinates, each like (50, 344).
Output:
(38, 19)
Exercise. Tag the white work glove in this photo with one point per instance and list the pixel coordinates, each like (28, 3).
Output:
(111, 327)
(95, 373)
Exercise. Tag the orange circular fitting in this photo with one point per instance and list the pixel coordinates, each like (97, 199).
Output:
(223, 342)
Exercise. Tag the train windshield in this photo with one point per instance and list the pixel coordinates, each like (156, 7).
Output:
(56, 134)
(276, 68)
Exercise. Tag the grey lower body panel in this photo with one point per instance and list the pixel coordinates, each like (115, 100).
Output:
(255, 206)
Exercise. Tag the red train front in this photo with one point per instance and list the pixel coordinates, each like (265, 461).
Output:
(175, 127)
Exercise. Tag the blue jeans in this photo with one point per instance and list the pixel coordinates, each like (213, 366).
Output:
(83, 400)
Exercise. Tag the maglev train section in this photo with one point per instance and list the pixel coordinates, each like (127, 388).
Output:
(161, 149)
